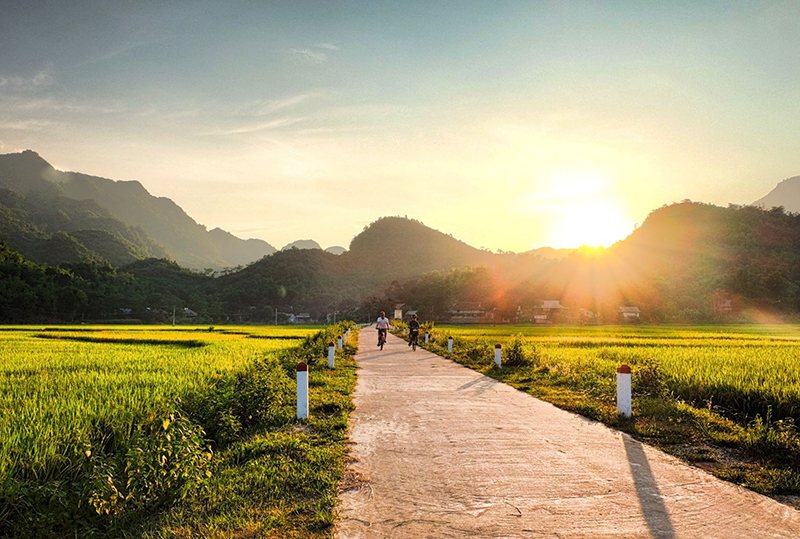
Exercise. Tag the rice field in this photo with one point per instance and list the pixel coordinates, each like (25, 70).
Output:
(743, 370)
(57, 385)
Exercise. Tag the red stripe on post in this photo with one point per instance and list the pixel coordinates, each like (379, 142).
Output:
(624, 369)
(302, 367)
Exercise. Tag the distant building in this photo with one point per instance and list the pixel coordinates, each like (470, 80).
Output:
(629, 313)
(188, 312)
(409, 314)
(548, 312)
(471, 314)
(301, 318)
(398, 311)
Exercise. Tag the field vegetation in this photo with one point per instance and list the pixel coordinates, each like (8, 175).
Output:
(724, 397)
(168, 431)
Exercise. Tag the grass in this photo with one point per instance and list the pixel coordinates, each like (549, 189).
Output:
(163, 432)
(726, 398)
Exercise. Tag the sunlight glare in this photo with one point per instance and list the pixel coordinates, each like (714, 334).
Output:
(581, 208)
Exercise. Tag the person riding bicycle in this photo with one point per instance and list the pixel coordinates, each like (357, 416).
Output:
(383, 326)
(413, 330)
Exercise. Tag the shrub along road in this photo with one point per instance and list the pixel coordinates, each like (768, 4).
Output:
(440, 450)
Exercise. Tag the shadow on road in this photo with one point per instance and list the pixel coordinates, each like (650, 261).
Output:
(653, 508)
(480, 384)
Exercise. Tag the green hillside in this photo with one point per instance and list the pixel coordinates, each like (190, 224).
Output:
(152, 226)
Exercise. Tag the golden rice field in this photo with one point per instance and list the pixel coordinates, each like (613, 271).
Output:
(58, 384)
(744, 370)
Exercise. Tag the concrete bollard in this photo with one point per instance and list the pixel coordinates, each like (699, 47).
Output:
(449, 344)
(302, 391)
(498, 355)
(624, 390)
(331, 354)
(340, 342)
(427, 337)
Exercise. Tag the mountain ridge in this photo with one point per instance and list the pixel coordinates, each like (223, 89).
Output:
(785, 194)
(129, 202)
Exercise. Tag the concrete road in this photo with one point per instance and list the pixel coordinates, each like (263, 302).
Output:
(442, 451)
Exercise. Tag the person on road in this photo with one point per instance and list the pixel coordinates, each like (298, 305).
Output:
(383, 326)
(413, 330)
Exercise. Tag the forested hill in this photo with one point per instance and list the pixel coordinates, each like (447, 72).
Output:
(119, 221)
(687, 262)
(397, 248)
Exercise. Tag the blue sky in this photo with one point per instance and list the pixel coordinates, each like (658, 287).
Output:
(508, 124)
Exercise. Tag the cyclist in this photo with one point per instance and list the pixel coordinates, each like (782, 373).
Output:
(383, 326)
(413, 331)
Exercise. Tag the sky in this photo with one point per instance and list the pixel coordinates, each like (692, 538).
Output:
(510, 125)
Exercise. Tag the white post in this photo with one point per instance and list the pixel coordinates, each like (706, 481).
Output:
(449, 344)
(427, 337)
(624, 390)
(302, 391)
(339, 342)
(498, 355)
(331, 353)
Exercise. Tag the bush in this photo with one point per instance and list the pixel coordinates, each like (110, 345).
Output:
(515, 355)
(163, 460)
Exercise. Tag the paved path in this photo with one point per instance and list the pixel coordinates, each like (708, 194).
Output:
(442, 451)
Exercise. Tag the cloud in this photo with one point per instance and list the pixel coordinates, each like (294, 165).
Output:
(271, 106)
(327, 46)
(51, 104)
(277, 123)
(309, 55)
(42, 79)
(27, 125)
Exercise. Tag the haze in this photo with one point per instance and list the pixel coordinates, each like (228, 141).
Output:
(511, 125)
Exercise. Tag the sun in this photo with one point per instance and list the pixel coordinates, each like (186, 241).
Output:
(598, 223)
(580, 208)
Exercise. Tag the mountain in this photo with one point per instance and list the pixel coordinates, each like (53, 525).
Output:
(336, 250)
(397, 248)
(161, 220)
(687, 262)
(302, 244)
(390, 249)
(786, 194)
(238, 252)
(48, 228)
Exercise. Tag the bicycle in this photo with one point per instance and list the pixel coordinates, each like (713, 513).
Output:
(381, 338)
(414, 338)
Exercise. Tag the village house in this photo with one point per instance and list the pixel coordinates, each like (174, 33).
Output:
(471, 314)
(629, 313)
(549, 311)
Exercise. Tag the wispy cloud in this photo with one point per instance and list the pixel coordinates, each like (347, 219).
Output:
(126, 47)
(315, 54)
(274, 105)
(309, 55)
(271, 125)
(26, 125)
(41, 79)
(52, 104)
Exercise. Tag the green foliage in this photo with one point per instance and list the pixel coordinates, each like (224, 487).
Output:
(159, 463)
(115, 432)
(515, 354)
